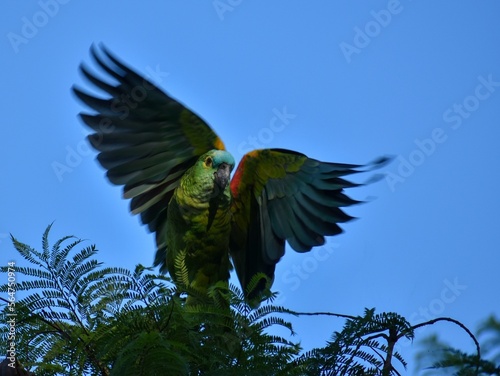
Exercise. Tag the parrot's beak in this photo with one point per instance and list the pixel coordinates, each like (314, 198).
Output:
(222, 176)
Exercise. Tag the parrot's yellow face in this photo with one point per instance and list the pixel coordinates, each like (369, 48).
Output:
(210, 176)
(218, 164)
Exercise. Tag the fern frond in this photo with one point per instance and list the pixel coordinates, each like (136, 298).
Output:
(271, 321)
(27, 252)
(57, 256)
(31, 285)
(267, 310)
(181, 270)
(32, 272)
(45, 242)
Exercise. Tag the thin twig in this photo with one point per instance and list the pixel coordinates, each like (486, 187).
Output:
(325, 314)
(456, 322)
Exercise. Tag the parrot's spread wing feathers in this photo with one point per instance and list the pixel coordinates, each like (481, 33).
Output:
(146, 139)
(283, 195)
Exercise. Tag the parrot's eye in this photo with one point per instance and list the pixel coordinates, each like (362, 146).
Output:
(208, 162)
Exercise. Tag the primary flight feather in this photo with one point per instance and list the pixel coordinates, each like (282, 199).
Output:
(176, 172)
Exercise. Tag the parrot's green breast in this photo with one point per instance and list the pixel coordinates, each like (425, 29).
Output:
(191, 231)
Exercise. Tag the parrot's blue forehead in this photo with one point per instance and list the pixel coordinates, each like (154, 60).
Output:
(221, 156)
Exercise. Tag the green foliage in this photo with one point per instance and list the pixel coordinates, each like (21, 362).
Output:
(364, 347)
(80, 318)
(77, 317)
(445, 359)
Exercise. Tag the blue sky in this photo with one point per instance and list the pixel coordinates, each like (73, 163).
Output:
(356, 81)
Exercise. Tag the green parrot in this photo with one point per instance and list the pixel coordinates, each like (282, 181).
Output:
(176, 172)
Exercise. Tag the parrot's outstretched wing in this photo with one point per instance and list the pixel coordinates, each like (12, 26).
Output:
(146, 139)
(283, 195)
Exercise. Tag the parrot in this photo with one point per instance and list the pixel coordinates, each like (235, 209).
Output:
(177, 173)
